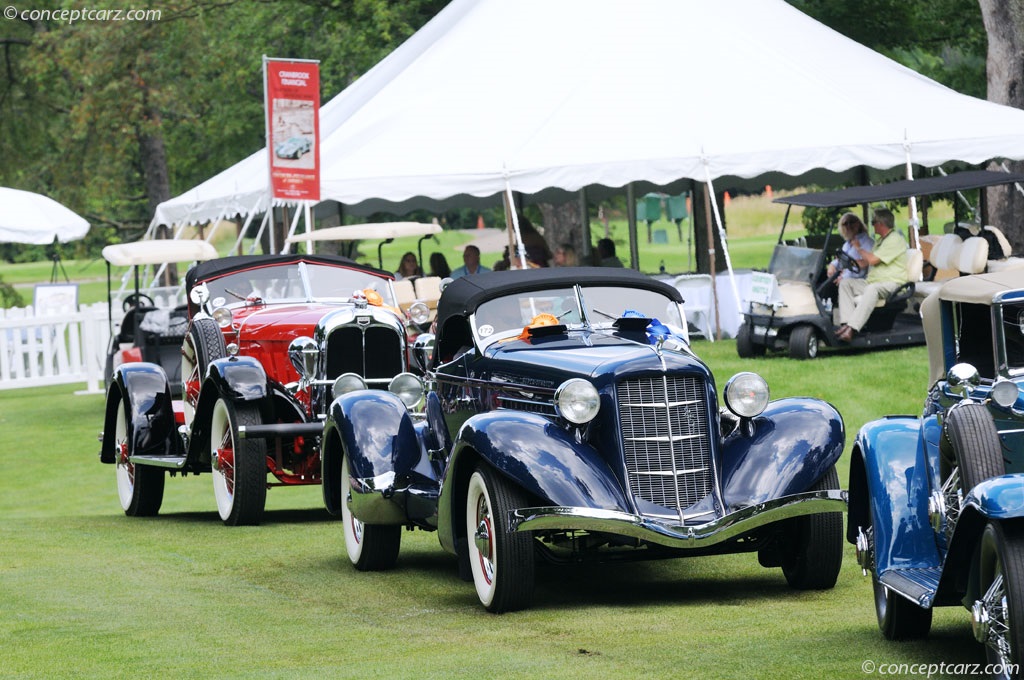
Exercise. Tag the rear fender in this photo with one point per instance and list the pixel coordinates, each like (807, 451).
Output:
(894, 489)
(374, 428)
(784, 451)
(151, 430)
(544, 460)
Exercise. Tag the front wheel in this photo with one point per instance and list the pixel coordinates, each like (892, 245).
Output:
(239, 465)
(502, 561)
(998, 617)
(746, 348)
(139, 487)
(814, 549)
(803, 342)
(370, 547)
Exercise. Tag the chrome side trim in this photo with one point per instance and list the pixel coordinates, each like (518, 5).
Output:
(672, 534)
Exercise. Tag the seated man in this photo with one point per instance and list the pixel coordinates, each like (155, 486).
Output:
(888, 271)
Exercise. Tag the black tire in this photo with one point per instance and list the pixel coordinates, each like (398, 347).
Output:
(203, 345)
(502, 561)
(1002, 553)
(898, 618)
(746, 348)
(814, 545)
(239, 465)
(370, 547)
(974, 444)
(140, 488)
(803, 342)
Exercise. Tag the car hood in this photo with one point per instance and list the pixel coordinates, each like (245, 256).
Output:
(293, 319)
(596, 355)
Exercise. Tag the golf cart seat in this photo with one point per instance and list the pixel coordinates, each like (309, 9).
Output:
(1007, 262)
(887, 309)
(956, 255)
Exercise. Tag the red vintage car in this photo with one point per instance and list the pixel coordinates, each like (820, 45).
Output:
(271, 341)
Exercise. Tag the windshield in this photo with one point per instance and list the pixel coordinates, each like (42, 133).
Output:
(299, 282)
(794, 263)
(508, 315)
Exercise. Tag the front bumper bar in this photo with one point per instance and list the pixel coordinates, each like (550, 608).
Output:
(667, 533)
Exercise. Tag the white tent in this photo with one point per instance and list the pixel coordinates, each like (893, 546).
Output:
(535, 95)
(27, 217)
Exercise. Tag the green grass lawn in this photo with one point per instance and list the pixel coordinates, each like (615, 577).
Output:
(87, 592)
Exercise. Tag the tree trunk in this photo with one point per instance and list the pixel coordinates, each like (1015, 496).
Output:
(1004, 23)
(701, 217)
(563, 224)
(153, 159)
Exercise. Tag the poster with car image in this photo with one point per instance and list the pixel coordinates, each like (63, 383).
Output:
(293, 128)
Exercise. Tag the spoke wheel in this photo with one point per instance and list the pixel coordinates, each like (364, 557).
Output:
(814, 549)
(139, 487)
(239, 465)
(203, 345)
(803, 342)
(998, 617)
(370, 547)
(502, 562)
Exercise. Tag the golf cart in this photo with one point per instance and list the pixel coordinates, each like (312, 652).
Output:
(155, 321)
(788, 308)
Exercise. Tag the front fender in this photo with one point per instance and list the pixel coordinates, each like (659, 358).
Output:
(144, 390)
(895, 491)
(999, 497)
(786, 450)
(537, 455)
(238, 378)
(374, 428)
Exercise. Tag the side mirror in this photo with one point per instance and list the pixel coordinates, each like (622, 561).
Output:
(199, 294)
(423, 351)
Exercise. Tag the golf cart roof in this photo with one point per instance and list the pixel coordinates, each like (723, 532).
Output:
(359, 232)
(159, 251)
(981, 289)
(904, 188)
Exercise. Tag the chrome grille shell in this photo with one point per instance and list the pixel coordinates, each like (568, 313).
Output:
(666, 439)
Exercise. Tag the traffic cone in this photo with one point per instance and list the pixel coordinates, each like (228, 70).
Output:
(768, 190)
(726, 199)
(479, 221)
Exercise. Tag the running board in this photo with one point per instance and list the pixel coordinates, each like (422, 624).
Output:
(917, 585)
(171, 462)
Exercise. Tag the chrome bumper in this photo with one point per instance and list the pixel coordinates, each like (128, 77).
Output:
(664, 532)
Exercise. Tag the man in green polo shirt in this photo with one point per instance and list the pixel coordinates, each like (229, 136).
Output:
(887, 271)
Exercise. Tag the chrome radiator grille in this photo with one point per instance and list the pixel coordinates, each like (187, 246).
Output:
(666, 439)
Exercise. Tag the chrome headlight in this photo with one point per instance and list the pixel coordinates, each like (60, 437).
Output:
(222, 315)
(746, 394)
(962, 379)
(577, 401)
(347, 382)
(419, 313)
(1004, 393)
(303, 352)
(408, 387)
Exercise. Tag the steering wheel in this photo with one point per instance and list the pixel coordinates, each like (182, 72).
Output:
(137, 300)
(847, 262)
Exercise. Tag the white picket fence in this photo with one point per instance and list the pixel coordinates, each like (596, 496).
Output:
(56, 349)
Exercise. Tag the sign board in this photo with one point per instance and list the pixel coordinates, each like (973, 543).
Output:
(764, 289)
(292, 94)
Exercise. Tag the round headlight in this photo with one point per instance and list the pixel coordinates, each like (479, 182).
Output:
(347, 382)
(1004, 393)
(222, 315)
(746, 394)
(577, 401)
(408, 387)
(419, 313)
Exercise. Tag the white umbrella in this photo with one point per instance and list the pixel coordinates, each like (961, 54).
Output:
(26, 217)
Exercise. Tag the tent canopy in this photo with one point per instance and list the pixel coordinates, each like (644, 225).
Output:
(540, 96)
(27, 217)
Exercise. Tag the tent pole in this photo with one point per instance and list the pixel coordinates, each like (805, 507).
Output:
(913, 199)
(510, 214)
(725, 251)
(259, 234)
(711, 256)
(585, 226)
(634, 252)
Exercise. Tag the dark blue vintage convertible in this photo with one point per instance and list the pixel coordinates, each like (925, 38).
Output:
(937, 501)
(568, 419)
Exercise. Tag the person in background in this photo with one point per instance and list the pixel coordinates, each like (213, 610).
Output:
(408, 267)
(854, 234)
(606, 254)
(888, 262)
(439, 266)
(565, 256)
(537, 251)
(471, 263)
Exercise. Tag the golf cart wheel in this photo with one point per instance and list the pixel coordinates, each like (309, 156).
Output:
(803, 342)
(746, 348)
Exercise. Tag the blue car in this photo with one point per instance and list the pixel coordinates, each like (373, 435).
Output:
(937, 501)
(293, 147)
(566, 418)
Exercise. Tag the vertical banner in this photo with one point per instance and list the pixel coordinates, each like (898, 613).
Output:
(292, 94)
